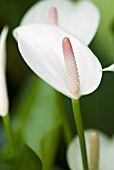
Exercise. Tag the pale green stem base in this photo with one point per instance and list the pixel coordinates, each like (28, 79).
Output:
(9, 133)
(80, 130)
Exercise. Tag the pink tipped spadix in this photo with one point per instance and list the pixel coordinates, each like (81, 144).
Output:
(71, 67)
(53, 18)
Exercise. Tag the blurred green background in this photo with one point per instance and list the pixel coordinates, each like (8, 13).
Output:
(26, 91)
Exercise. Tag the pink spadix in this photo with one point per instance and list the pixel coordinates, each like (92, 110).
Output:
(53, 18)
(71, 67)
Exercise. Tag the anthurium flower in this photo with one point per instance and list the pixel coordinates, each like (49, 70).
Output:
(106, 151)
(41, 48)
(3, 88)
(80, 18)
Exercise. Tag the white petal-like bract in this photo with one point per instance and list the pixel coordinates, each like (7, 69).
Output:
(41, 48)
(106, 152)
(109, 68)
(80, 18)
(4, 103)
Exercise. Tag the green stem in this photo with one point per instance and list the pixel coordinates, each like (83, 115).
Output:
(80, 130)
(9, 133)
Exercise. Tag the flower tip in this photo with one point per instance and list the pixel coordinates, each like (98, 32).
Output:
(53, 18)
(94, 135)
(3, 38)
(66, 40)
(5, 29)
(4, 34)
(53, 10)
(67, 47)
(109, 68)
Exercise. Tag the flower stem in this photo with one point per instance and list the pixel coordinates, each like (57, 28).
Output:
(9, 133)
(80, 130)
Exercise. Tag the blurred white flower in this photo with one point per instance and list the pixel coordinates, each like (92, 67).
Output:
(106, 152)
(41, 47)
(4, 104)
(80, 18)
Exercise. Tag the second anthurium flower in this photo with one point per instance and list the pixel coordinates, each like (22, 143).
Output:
(59, 60)
(100, 151)
(80, 18)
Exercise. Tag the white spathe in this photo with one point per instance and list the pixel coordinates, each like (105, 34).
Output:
(80, 18)
(41, 47)
(4, 103)
(109, 68)
(106, 152)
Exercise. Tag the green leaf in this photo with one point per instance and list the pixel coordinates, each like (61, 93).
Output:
(49, 146)
(4, 166)
(25, 159)
(38, 120)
